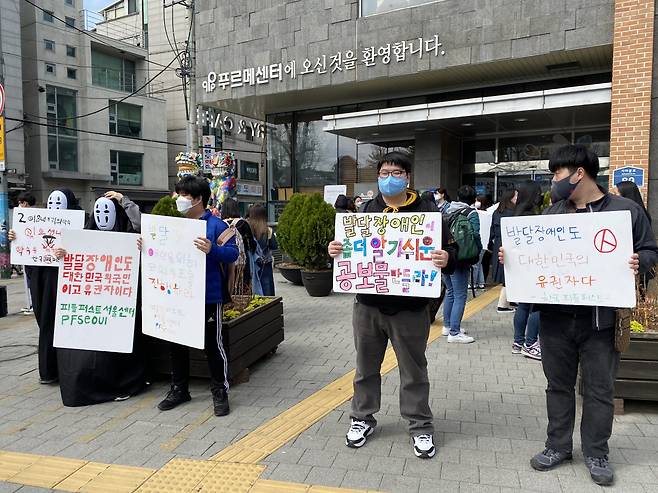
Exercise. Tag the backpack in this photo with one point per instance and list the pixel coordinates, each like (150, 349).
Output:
(234, 272)
(464, 235)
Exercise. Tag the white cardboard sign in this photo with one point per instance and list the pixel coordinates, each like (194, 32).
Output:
(388, 254)
(331, 193)
(39, 232)
(173, 280)
(97, 291)
(570, 259)
(486, 218)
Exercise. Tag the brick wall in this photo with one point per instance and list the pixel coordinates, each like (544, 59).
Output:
(632, 69)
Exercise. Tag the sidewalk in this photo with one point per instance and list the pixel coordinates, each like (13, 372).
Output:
(488, 404)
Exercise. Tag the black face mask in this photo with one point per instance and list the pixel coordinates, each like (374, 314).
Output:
(562, 189)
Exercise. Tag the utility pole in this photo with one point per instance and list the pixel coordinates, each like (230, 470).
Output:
(192, 138)
(5, 263)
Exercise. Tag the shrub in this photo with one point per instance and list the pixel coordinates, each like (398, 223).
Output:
(291, 213)
(312, 232)
(166, 206)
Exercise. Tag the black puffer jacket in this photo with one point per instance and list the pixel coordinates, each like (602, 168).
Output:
(644, 244)
(391, 305)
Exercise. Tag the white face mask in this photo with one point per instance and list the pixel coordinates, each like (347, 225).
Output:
(105, 214)
(57, 200)
(183, 204)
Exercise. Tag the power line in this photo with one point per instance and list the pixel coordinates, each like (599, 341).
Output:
(82, 31)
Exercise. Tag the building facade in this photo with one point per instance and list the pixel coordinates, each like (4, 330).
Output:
(79, 132)
(480, 91)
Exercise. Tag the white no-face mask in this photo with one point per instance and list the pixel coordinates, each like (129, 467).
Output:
(105, 214)
(57, 200)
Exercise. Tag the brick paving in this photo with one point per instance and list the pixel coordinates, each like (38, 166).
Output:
(488, 406)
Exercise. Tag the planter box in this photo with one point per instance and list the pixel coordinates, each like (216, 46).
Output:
(246, 339)
(637, 378)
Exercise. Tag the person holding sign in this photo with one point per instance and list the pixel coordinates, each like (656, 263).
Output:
(90, 377)
(402, 320)
(43, 288)
(25, 201)
(576, 334)
(193, 195)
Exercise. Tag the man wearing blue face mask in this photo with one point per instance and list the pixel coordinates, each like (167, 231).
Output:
(571, 335)
(405, 321)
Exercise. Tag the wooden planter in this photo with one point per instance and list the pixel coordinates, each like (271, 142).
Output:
(637, 378)
(246, 339)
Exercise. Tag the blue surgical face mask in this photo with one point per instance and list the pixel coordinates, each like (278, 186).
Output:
(392, 186)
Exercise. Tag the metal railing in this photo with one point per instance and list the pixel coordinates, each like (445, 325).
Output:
(114, 79)
(126, 29)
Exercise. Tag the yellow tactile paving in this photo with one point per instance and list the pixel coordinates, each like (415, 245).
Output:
(233, 470)
(267, 438)
(47, 472)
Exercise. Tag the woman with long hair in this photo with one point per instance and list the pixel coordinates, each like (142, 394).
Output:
(526, 322)
(505, 209)
(629, 190)
(265, 245)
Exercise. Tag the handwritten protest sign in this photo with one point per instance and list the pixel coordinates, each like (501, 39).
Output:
(173, 280)
(571, 259)
(39, 232)
(97, 291)
(388, 254)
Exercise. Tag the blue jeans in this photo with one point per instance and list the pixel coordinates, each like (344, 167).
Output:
(478, 271)
(524, 317)
(455, 300)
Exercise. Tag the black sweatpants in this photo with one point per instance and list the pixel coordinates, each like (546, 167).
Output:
(43, 288)
(215, 353)
(566, 341)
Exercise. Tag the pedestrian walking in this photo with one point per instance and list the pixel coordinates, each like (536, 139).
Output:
(265, 244)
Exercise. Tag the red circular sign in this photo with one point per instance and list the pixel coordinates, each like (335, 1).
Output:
(605, 241)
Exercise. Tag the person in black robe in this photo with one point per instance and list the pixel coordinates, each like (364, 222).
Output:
(91, 377)
(43, 289)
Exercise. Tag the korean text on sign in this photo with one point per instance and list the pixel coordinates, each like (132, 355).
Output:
(97, 291)
(388, 254)
(569, 259)
(173, 280)
(39, 232)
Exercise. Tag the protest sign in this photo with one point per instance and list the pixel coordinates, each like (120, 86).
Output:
(173, 280)
(485, 226)
(388, 254)
(331, 193)
(39, 232)
(97, 291)
(570, 259)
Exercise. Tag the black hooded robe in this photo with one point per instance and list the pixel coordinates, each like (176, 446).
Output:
(91, 377)
(43, 289)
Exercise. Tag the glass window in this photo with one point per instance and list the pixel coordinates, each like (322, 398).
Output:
(126, 168)
(249, 170)
(69, 21)
(51, 68)
(125, 119)
(70, 2)
(132, 6)
(279, 154)
(316, 154)
(596, 140)
(62, 134)
(480, 151)
(70, 50)
(48, 16)
(369, 7)
(531, 148)
(112, 72)
(49, 45)
(71, 73)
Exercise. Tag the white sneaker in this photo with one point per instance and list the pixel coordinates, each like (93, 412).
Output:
(358, 433)
(446, 330)
(461, 338)
(424, 446)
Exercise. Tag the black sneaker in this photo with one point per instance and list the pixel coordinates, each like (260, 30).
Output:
(48, 381)
(174, 398)
(358, 434)
(600, 470)
(548, 459)
(220, 402)
(505, 310)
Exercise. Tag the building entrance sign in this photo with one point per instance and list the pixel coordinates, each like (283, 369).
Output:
(397, 51)
(628, 173)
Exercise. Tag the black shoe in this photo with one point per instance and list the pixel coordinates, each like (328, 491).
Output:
(220, 402)
(48, 381)
(548, 459)
(174, 398)
(600, 470)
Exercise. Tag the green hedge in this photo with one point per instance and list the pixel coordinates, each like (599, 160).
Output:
(311, 233)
